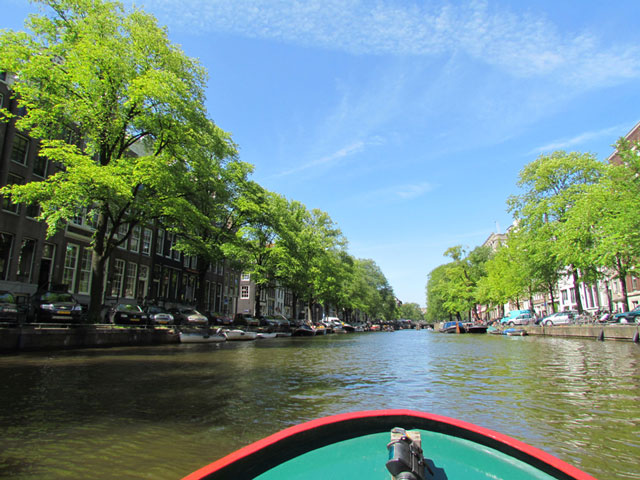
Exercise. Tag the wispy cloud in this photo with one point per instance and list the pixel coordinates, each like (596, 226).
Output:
(577, 140)
(400, 192)
(328, 160)
(521, 44)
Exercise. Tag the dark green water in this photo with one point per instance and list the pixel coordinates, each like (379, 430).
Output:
(162, 412)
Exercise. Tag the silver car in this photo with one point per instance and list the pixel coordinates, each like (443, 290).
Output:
(558, 318)
(189, 316)
(522, 319)
(158, 315)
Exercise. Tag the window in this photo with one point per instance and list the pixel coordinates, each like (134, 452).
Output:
(79, 218)
(244, 292)
(169, 240)
(143, 281)
(134, 243)
(130, 286)
(20, 149)
(246, 277)
(40, 166)
(565, 296)
(32, 210)
(147, 237)
(174, 283)
(118, 276)
(160, 242)
(122, 232)
(173, 241)
(84, 281)
(25, 262)
(70, 265)
(6, 242)
(7, 204)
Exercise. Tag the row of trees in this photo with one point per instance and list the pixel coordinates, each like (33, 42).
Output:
(576, 216)
(98, 84)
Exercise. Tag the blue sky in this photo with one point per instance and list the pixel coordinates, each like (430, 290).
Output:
(408, 121)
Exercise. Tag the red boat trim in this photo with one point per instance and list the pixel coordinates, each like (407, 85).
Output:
(264, 454)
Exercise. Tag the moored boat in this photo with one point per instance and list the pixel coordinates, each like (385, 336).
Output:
(453, 327)
(514, 332)
(237, 334)
(201, 337)
(262, 335)
(303, 330)
(475, 327)
(354, 445)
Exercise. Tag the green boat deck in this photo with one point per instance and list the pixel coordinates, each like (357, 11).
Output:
(450, 458)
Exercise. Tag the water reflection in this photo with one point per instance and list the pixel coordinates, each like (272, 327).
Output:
(161, 412)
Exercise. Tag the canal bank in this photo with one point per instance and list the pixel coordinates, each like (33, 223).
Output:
(626, 333)
(41, 337)
(618, 332)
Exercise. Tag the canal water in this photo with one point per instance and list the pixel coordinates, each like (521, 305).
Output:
(162, 412)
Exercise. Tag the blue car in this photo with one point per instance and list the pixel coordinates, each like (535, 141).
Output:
(628, 317)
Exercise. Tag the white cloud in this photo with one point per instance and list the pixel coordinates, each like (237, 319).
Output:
(331, 159)
(521, 44)
(577, 140)
(392, 193)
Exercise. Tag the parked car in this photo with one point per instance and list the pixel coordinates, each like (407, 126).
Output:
(8, 307)
(559, 318)
(521, 315)
(158, 315)
(128, 313)
(522, 319)
(188, 316)
(278, 321)
(628, 317)
(246, 320)
(52, 306)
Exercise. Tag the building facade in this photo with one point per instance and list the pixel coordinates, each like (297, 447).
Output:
(146, 267)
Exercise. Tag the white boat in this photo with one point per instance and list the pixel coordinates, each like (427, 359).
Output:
(201, 337)
(233, 335)
(266, 335)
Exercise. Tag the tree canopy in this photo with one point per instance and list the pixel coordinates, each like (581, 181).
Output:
(118, 107)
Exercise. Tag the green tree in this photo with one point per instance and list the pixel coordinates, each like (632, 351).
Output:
(377, 299)
(460, 292)
(435, 290)
(255, 246)
(306, 241)
(521, 267)
(411, 311)
(116, 82)
(608, 212)
(552, 186)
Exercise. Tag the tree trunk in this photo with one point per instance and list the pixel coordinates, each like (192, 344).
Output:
(98, 261)
(622, 275)
(294, 308)
(201, 295)
(257, 308)
(576, 289)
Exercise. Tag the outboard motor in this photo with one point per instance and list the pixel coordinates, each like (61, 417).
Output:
(406, 460)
